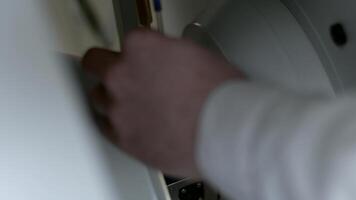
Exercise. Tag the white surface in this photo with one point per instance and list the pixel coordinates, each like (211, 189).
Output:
(178, 13)
(265, 41)
(317, 16)
(49, 150)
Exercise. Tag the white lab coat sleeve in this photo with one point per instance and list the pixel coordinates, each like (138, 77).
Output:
(258, 143)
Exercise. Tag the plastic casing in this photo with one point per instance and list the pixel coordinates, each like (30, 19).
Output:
(286, 44)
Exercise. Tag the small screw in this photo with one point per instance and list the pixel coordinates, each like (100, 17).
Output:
(183, 191)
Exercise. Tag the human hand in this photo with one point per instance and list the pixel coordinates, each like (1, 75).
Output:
(152, 94)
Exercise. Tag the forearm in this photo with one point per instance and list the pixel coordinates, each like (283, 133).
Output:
(259, 143)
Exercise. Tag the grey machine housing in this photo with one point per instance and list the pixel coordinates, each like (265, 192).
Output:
(305, 45)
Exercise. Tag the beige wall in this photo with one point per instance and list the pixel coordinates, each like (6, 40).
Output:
(75, 37)
(73, 33)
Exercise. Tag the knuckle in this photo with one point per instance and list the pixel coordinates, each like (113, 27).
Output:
(113, 116)
(125, 140)
(88, 55)
(140, 38)
(125, 143)
(91, 52)
(118, 119)
(136, 35)
(134, 38)
(110, 80)
(113, 77)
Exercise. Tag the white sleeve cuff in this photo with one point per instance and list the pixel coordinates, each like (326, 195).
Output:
(228, 122)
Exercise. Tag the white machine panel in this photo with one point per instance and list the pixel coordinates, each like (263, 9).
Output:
(317, 18)
(265, 40)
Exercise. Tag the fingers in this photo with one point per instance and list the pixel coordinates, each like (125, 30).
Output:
(141, 38)
(99, 61)
(102, 103)
(108, 130)
(101, 99)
